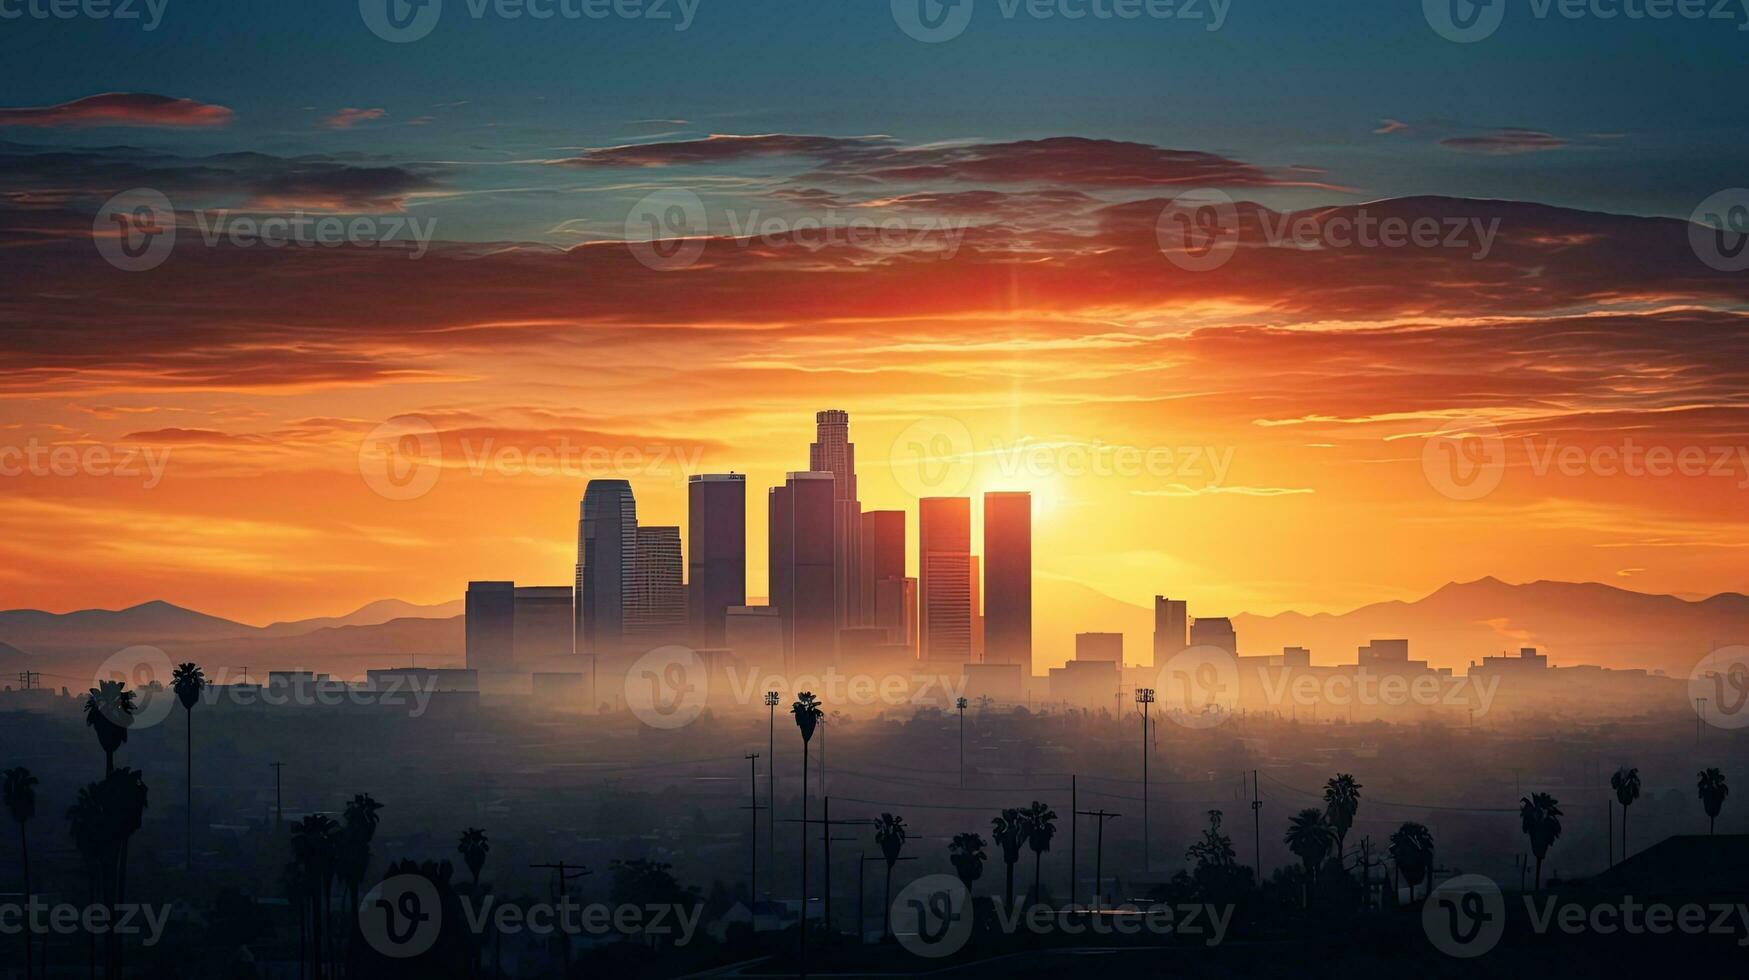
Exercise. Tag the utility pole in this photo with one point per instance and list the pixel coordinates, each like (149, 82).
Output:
(1699, 716)
(1145, 697)
(753, 809)
(278, 803)
(1074, 835)
(563, 879)
(29, 678)
(862, 891)
(826, 824)
(961, 705)
(1257, 829)
(771, 699)
(1099, 850)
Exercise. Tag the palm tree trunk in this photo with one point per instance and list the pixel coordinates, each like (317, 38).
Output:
(188, 817)
(1010, 889)
(1539, 873)
(1711, 824)
(1037, 858)
(1624, 831)
(24, 858)
(803, 935)
(886, 904)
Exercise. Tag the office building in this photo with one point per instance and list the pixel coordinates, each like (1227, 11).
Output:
(1107, 647)
(1007, 573)
(1171, 628)
(944, 558)
(1214, 632)
(883, 553)
(490, 625)
(895, 610)
(542, 615)
(716, 554)
(833, 452)
(656, 599)
(607, 531)
(803, 562)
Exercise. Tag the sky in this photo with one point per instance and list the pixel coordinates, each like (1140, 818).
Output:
(1138, 266)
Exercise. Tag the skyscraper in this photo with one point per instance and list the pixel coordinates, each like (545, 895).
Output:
(1008, 580)
(543, 623)
(1214, 632)
(490, 625)
(716, 554)
(1171, 628)
(656, 598)
(883, 557)
(944, 558)
(606, 547)
(803, 562)
(833, 452)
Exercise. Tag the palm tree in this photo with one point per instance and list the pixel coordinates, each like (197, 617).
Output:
(807, 713)
(890, 835)
(966, 852)
(1041, 826)
(315, 841)
(1341, 802)
(1626, 783)
(352, 853)
(1310, 836)
(1540, 816)
(473, 848)
(188, 681)
(1008, 830)
(20, 797)
(85, 823)
(109, 710)
(1412, 851)
(1712, 795)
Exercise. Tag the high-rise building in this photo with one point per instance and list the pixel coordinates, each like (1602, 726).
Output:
(542, 623)
(803, 561)
(490, 625)
(883, 554)
(833, 452)
(944, 559)
(1171, 627)
(656, 599)
(607, 532)
(716, 556)
(1214, 632)
(1099, 646)
(1007, 567)
(976, 593)
(895, 610)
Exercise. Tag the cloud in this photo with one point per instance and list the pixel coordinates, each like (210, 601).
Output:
(1506, 142)
(121, 109)
(1181, 490)
(1389, 126)
(349, 117)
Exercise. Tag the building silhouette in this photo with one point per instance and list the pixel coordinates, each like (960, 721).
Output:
(1214, 632)
(716, 554)
(542, 615)
(895, 610)
(490, 625)
(1171, 628)
(803, 562)
(656, 598)
(606, 547)
(944, 562)
(883, 554)
(1106, 647)
(1007, 572)
(833, 452)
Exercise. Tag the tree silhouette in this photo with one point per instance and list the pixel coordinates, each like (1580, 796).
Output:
(19, 788)
(109, 711)
(473, 848)
(1341, 803)
(1412, 851)
(1626, 783)
(1309, 836)
(889, 833)
(315, 846)
(187, 681)
(103, 820)
(352, 851)
(1540, 816)
(966, 853)
(1712, 795)
(1008, 830)
(807, 713)
(1041, 826)
(1215, 867)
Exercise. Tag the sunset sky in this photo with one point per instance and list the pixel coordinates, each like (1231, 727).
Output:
(1264, 435)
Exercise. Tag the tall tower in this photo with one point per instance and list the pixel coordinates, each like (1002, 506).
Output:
(656, 596)
(803, 562)
(883, 559)
(716, 556)
(834, 453)
(1171, 628)
(607, 532)
(1008, 580)
(944, 558)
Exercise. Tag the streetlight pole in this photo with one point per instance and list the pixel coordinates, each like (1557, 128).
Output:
(771, 699)
(1145, 697)
(961, 705)
(753, 809)
(278, 801)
